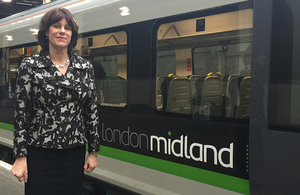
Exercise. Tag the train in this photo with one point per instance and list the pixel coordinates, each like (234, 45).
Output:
(199, 96)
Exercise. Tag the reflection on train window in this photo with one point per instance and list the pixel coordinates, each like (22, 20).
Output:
(108, 54)
(205, 72)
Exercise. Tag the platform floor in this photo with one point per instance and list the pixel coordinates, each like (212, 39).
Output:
(9, 184)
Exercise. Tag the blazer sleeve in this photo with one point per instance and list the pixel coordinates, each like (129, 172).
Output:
(22, 109)
(91, 116)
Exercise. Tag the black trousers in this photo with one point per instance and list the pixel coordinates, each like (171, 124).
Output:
(55, 171)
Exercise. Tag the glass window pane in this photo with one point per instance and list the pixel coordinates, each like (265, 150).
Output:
(108, 54)
(204, 66)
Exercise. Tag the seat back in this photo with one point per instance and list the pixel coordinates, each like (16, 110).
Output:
(115, 90)
(225, 80)
(159, 95)
(243, 110)
(193, 79)
(99, 90)
(179, 96)
(164, 88)
(231, 96)
(211, 96)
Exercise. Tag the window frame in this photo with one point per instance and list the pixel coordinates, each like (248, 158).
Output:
(182, 17)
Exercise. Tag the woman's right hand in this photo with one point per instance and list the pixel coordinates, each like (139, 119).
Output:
(19, 169)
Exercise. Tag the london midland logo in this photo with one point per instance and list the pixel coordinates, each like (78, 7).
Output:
(179, 147)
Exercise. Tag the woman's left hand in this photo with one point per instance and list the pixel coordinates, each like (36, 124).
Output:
(90, 163)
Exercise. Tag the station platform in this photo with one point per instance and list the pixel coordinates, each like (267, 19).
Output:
(9, 184)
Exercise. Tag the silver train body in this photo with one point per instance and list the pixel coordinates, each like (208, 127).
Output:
(215, 139)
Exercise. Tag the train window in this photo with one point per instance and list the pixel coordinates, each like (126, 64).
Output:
(203, 66)
(16, 56)
(108, 54)
(284, 87)
(9, 65)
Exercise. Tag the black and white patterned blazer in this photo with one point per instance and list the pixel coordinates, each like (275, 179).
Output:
(53, 110)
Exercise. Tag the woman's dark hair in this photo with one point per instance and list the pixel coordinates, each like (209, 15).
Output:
(51, 17)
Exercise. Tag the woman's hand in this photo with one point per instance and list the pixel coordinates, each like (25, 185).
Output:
(19, 169)
(90, 163)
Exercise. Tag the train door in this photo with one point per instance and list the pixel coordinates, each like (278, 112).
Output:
(274, 121)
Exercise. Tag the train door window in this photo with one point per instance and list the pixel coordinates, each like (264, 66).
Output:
(284, 87)
(203, 66)
(108, 54)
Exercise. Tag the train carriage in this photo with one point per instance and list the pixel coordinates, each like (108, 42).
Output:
(198, 97)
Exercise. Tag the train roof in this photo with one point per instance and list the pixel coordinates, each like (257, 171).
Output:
(91, 15)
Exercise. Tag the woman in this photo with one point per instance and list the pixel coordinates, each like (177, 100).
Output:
(55, 112)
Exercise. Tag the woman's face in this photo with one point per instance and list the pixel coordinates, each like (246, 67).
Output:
(59, 34)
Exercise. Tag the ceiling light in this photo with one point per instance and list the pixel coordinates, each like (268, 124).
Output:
(125, 11)
(34, 31)
(9, 37)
